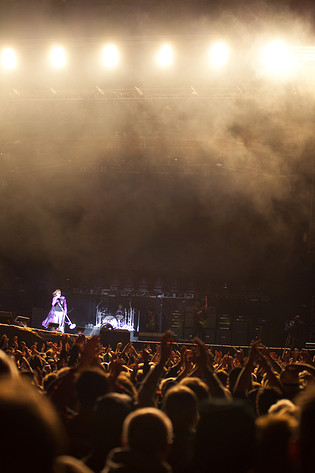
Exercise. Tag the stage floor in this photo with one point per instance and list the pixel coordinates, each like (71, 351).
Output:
(108, 337)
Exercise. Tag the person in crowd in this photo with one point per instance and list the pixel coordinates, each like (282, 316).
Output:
(225, 438)
(198, 386)
(7, 366)
(109, 414)
(259, 382)
(147, 436)
(76, 350)
(276, 436)
(181, 406)
(90, 384)
(306, 433)
(33, 439)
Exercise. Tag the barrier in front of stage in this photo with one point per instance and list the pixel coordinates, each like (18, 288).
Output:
(149, 336)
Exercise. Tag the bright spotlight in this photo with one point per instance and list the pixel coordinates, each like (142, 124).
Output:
(277, 58)
(110, 56)
(165, 56)
(58, 57)
(219, 54)
(8, 58)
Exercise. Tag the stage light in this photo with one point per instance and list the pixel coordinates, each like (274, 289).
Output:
(277, 59)
(110, 55)
(58, 57)
(219, 54)
(165, 56)
(8, 58)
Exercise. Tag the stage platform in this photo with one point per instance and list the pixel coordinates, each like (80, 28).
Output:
(110, 337)
(30, 335)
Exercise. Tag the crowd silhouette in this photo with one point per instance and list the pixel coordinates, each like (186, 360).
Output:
(78, 406)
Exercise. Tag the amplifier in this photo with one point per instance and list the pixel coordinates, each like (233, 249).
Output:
(5, 317)
(112, 337)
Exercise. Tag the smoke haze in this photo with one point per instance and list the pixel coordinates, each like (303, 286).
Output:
(189, 173)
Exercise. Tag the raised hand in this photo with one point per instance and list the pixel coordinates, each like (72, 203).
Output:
(166, 347)
(239, 356)
(90, 354)
(202, 355)
(306, 357)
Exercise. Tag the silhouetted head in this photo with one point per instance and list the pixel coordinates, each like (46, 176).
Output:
(181, 406)
(91, 384)
(33, 436)
(225, 438)
(198, 386)
(149, 432)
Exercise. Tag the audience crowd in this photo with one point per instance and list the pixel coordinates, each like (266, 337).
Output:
(78, 407)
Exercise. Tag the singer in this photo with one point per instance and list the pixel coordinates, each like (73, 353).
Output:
(57, 312)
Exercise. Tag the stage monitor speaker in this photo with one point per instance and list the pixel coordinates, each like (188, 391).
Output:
(79, 329)
(112, 337)
(5, 317)
(52, 327)
(90, 331)
(22, 321)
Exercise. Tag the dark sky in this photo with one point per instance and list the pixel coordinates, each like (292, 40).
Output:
(78, 18)
(214, 186)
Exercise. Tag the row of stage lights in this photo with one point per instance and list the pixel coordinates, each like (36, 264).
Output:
(275, 57)
(110, 56)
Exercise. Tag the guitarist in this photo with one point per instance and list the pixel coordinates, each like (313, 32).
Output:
(200, 319)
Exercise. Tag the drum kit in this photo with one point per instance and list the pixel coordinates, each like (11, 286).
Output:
(122, 320)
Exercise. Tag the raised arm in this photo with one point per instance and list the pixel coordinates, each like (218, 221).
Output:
(187, 365)
(203, 363)
(244, 381)
(147, 390)
(263, 360)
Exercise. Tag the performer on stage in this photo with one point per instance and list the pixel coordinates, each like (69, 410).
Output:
(200, 320)
(295, 333)
(57, 312)
(119, 314)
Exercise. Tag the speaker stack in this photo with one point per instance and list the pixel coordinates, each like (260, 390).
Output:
(224, 330)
